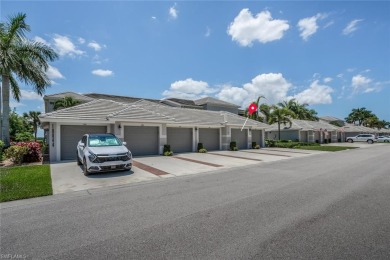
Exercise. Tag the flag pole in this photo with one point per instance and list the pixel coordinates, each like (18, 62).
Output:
(244, 123)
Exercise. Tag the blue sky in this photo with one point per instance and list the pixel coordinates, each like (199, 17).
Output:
(332, 55)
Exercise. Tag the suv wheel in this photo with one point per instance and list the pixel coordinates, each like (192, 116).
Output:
(350, 141)
(369, 141)
(78, 159)
(85, 169)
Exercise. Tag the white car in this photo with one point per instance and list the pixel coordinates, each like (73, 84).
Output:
(369, 138)
(103, 152)
(385, 139)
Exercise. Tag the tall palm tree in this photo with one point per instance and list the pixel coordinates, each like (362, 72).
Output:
(358, 115)
(65, 102)
(301, 111)
(265, 110)
(33, 118)
(281, 115)
(21, 59)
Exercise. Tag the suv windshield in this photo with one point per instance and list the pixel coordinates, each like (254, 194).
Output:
(105, 140)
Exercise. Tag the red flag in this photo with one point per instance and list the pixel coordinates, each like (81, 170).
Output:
(252, 108)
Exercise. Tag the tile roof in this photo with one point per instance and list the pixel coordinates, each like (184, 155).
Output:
(76, 96)
(304, 125)
(116, 98)
(359, 129)
(330, 118)
(146, 111)
(214, 101)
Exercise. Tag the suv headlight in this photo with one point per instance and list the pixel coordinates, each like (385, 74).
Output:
(128, 154)
(92, 157)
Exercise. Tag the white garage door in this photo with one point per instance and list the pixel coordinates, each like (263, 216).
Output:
(209, 137)
(71, 134)
(240, 137)
(180, 139)
(142, 140)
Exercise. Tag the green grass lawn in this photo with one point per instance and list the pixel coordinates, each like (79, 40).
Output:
(325, 148)
(22, 182)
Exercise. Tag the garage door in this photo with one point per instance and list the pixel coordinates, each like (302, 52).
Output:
(257, 137)
(71, 134)
(142, 140)
(240, 137)
(209, 138)
(180, 139)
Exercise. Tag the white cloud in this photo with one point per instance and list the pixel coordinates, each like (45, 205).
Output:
(173, 11)
(189, 88)
(29, 95)
(351, 27)
(272, 85)
(54, 73)
(64, 46)
(328, 79)
(14, 104)
(246, 28)
(154, 18)
(40, 40)
(81, 40)
(361, 84)
(308, 26)
(315, 94)
(94, 45)
(102, 73)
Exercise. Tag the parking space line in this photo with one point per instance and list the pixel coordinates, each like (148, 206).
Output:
(148, 168)
(283, 155)
(196, 161)
(287, 151)
(238, 157)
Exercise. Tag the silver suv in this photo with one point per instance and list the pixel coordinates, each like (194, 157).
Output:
(369, 138)
(103, 152)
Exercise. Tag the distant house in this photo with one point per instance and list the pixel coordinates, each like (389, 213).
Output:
(332, 120)
(305, 131)
(147, 125)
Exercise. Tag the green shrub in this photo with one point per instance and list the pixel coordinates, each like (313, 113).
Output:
(233, 146)
(34, 151)
(253, 145)
(167, 148)
(1, 149)
(200, 146)
(16, 153)
(203, 150)
(168, 153)
(24, 137)
(270, 143)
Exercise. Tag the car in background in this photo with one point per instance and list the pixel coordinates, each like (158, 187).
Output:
(384, 139)
(369, 138)
(103, 152)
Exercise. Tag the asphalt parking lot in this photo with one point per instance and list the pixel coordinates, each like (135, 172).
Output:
(68, 176)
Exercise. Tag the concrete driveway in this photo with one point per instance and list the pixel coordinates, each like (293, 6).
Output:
(67, 176)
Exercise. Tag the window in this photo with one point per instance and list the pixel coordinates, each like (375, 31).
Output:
(103, 140)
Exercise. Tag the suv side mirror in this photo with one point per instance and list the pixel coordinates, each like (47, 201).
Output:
(82, 145)
(124, 143)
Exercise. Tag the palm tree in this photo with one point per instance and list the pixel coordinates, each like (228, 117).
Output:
(301, 111)
(65, 102)
(265, 110)
(358, 115)
(21, 59)
(281, 115)
(33, 118)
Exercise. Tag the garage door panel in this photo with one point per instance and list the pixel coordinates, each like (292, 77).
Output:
(257, 137)
(180, 139)
(71, 134)
(209, 138)
(240, 137)
(142, 140)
